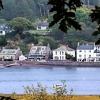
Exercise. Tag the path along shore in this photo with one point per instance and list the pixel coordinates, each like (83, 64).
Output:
(49, 63)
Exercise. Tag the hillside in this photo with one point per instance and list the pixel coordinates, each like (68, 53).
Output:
(23, 8)
(30, 8)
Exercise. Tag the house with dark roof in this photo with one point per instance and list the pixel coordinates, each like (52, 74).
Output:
(88, 52)
(10, 54)
(42, 25)
(39, 52)
(97, 53)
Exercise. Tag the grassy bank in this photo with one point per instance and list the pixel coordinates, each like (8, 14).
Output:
(51, 97)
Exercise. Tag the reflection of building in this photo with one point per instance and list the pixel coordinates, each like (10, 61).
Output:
(42, 26)
(60, 53)
(39, 52)
(10, 54)
(88, 52)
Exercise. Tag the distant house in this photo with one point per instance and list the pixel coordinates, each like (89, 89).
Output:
(6, 28)
(60, 53)
(97, 53)
(88, 52)
(85, 52)
(10, 54)
(2, 33)
(42, 25)
(39, 52)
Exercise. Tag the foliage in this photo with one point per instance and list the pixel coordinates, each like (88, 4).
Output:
(20, 24)
(82, 15)
(3, 21)
(24, 48)
(48, 40)
(1, 5)
(40, 93)
(25, 8)
(66, 14)
(70, 57)
(3, 41)
(95, 16)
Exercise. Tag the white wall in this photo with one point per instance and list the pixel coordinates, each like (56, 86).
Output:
(42, 28)
(85, 54)
(2, 32)
(59, 55)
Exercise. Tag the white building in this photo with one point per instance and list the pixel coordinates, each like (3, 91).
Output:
(88, 52)
(22, 58)
(39, 52)
(42, 26)
(2, 33)
(97, 53)
(10, 54)
(60, 53)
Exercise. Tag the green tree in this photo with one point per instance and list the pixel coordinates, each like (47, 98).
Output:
(3, 41)
(20, 24)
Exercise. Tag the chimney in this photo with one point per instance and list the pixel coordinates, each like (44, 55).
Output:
(78, 44)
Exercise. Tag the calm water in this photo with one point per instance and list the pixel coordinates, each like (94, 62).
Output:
(81, 80)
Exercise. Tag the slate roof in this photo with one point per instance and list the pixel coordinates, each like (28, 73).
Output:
(85, 47)
(9, 51)
(43, 24)
(38, 49)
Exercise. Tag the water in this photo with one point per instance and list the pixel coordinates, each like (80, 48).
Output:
(84, 81)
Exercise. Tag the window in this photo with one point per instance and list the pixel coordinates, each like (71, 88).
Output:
(56, 52)
(60, 52)
(62, 58)
(90, 51)
(42, 48)
(89, 55)
(80, 55)
(80, 51)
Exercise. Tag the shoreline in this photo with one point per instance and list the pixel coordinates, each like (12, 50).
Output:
(49, 64)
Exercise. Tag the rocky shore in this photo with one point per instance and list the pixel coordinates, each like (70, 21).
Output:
(49, 63)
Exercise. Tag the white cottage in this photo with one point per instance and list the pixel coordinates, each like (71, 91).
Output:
(2, 33)
(60, 53)
(88, 52)
(42, 25)
(10, 54)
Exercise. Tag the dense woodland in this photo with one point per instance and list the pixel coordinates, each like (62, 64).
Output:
(30, 12)
(30, 8)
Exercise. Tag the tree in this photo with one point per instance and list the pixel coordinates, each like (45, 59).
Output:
(1, 5)
(3, 41)
(64, 13)
(20, 24)
(95, 16)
